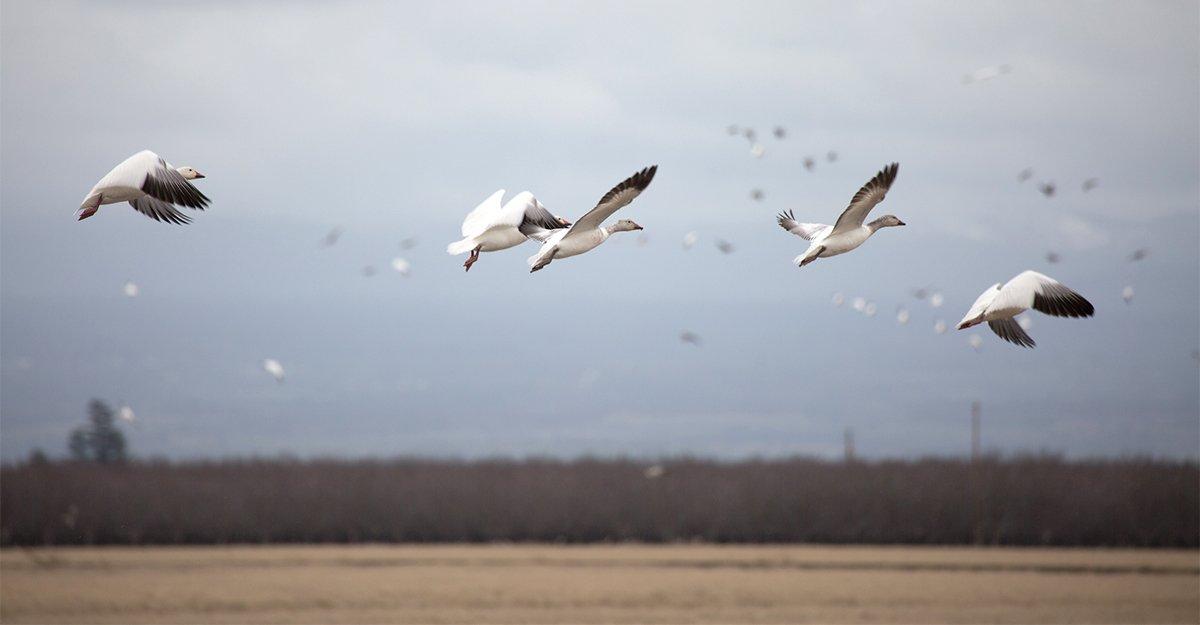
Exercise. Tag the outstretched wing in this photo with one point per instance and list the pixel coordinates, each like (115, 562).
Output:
(159, 210)
(164, 183)
(1031, 289)
(867, 197)
(619, 196)
(805, 231)
(1011, 331)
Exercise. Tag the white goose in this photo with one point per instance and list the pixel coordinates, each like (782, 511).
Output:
(849, 231)
(1030, 289)
(587, 233)
(492, 227)
(151, 185)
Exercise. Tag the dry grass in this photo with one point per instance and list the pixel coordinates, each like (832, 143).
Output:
(597, 584)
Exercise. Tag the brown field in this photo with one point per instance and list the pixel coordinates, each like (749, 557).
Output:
(597, 584)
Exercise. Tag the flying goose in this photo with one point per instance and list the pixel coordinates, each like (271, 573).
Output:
(492, 227)
(849, 231)
(151, 185)
(1030, 289)
(587, 233)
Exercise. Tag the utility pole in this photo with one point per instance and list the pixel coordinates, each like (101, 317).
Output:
(975, 449)
(848, 441)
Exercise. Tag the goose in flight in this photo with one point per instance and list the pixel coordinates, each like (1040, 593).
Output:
(151, 185)
(492, 227)
(1030, 289)
(587, 233)
(849, 231)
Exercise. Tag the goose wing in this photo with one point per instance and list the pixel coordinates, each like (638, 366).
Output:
(162, 182)
(867, 197)
(617, 197)
(484, 216)
(1031, 289)
(159, 210)
(805, 231)
(1011, 331)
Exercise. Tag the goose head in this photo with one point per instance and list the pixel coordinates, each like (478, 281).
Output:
(887, 221)
(625, 225)
(189, 173)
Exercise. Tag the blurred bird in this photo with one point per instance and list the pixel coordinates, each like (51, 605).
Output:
(757, 150)
(984, 74)
(273, 367)
(687, 336)
(408, 244)
(1029, 289)
(1052, 257)
(130, 289)
(974, 341)
(859, 304)
(870, 309)
(920, 293)
(125, 413)
(331, 238)
(493, 226)
(838, 299)
(654, 471)
(587, 233)
(1127, 294)
(939, 326)
(401, 266)
(725, 246)
(780, 132)
(749, 134)
(756, 195)
(690, 239)
(733, 130)
(831, 156)
(1024, 174)
(1090, 183)
(151, 185)
(368, 271)
(1047, 188)
(809, 163)
(902, 316)
(1139, 254)
(848, 232)
(936, 300)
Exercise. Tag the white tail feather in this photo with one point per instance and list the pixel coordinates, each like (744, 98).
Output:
(461, 247)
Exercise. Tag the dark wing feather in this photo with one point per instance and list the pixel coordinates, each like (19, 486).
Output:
(867, 197)
(1011, 331)
(1056, 299)
(168, 185)
(159, 210)
(617, 197)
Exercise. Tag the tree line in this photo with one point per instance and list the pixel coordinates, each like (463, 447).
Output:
(1037, 500)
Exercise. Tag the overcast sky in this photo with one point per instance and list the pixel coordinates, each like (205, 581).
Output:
(393, 121)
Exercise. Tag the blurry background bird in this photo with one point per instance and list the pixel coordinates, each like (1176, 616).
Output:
(272, 366)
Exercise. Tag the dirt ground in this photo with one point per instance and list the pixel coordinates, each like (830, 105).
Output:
(597, 584)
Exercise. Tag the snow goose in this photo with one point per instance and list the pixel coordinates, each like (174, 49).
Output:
(151, 185)
(492, 227)
(587, 233)
(1030, 289)
(849, 231)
